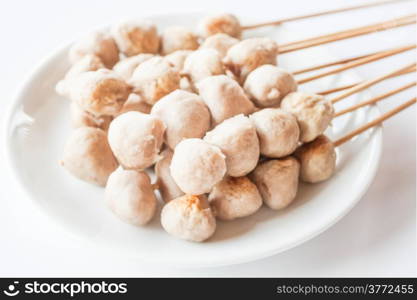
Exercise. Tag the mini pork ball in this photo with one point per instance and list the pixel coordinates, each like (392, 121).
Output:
(177, 58)
(97, 43)
(136, 37)
(224, 97)
(185, 115)
(129, 195)
(100, 92)
(237, 139)
(136, 139)
(203, 63)
(235, 197)
(313, 112)
(87, 155)
(135, 103)
(277, 181)
(247, 55)
(189, 218)
(317, 160)
(220, 42)
(88, 62)
(277, 130)
(127, 66)
(154, 79)
(167, 186)
(197, 166)
(178, 38)
(221, 23)
(268, 84)
(82, 118)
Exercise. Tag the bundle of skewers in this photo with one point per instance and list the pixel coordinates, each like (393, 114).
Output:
(225, 129)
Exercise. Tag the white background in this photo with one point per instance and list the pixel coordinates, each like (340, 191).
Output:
(377, 238)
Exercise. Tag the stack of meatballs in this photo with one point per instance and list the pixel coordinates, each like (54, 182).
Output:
(223, 127)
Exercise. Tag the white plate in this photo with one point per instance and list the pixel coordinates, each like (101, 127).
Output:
(38, 125)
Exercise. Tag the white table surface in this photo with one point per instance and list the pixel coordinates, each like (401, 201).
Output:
(377, 238)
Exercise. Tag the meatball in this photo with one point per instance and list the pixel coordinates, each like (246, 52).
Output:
(136, 37)
(237, 139)
(99, 92)
(224, 97)
(277, 130)
(177, 58)
(87, 155)
(135, 103)
(82, 118)
(189, 218)
(277, 181)
(247, 55)
(317, 160)
(130, 196)
(197, 166)
(222, 23)
(88, 62)
(178, 38)
(127, 66)
(268, 84)
(234, 197)
(154, 79)
(313, 112)
(97, 43)
(136, 139)
(167, 186)
(203, 63)
(220, 42)
(184, 114)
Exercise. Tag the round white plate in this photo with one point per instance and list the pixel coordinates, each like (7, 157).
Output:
(38, 125)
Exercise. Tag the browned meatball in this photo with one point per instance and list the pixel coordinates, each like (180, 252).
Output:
(87, 155)
(317, 159)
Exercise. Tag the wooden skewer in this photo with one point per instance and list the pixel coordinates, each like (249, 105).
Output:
(328, 12)
(356, 31)
(345, 87)
(338, 89)
(369, 83)
(375, 26)
(324, 39)
(374, 122)
(359, 62)
(333, 63)
(375, 99)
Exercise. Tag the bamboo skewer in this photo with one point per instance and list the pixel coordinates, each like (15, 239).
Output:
(373, 123)
(317, 14)
(369, 83)
(376, 26)
(345, 87)
(324, 39)
(359, 62)
(356, 31)
(338, 89)
(375, 99)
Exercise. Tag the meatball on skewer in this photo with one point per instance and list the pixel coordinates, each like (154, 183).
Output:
(189, 217)
(234, 197)
(224, 97)
(237, 139)
(184, 114)
(268, 84)
(277, 181)
(130, 196)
